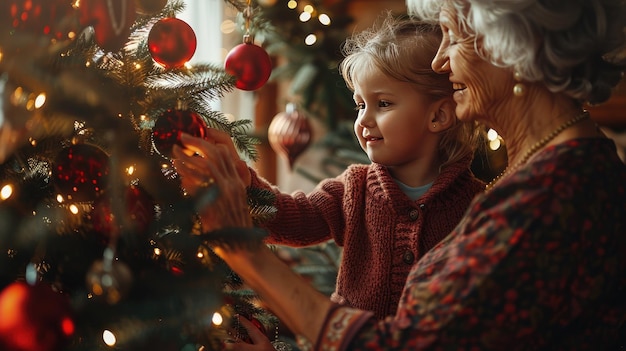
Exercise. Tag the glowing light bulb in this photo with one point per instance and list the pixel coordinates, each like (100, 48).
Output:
(40, 100)
(304, 16)
(292, 4)
(6, 192)
(495, 144)
(109, 338)
(324, 19)
(217, 319)
(310, 39)
(492, 134)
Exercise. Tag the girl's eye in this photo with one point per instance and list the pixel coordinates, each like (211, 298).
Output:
(383, 103)
(359, 106)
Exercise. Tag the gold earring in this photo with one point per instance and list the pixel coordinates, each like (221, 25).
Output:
(519, 89)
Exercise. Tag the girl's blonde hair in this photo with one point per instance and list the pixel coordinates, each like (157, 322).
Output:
(403, 48)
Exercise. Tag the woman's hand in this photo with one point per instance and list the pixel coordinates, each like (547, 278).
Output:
(203, 164)
(208, 166)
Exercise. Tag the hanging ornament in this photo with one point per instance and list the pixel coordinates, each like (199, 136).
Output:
(171, 42)
(80, 172)
(139, 214)
(171, 124)
(109, 280)
(111, 21)
(249, 63)
(34, 318)
(149, 7)
(290, 133)
(38, 16)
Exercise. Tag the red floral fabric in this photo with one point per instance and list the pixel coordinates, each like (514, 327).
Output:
(539, 263)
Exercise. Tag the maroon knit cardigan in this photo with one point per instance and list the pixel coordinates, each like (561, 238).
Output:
(382, 232)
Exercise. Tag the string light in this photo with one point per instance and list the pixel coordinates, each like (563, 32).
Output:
(217, 319)
(109, 338)
(495, 144)
(495, 141)
(324, 19)
(6, 192)
(310, 39)
(40, 100)
(304, 16)
(292, 4)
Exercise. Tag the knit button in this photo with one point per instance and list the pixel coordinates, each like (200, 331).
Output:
(414, 214)
(408, 257)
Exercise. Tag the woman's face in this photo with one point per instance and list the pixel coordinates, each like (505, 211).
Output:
(479, 87)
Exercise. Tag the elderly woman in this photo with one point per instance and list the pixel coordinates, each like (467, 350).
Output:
(539, 261)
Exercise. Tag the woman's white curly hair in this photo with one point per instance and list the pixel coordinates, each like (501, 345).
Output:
(577, 47)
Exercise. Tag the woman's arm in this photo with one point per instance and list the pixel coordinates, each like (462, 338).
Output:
(292, 299)
(286, 294)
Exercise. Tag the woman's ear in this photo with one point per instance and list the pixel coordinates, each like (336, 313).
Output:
(444, 115)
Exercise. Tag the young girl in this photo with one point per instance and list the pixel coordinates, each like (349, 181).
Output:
(388, 214)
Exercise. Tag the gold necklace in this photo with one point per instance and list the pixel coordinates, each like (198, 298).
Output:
(540, 144)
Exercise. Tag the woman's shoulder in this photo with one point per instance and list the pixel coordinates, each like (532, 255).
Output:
(578, 169)
(589, 157)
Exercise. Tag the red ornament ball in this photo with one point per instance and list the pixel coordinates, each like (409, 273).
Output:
(171, 42)
(34, 318)
(111, 21)
(250, 64)
(81, 172)
(37, 16)
(139, 213)
(171, 124)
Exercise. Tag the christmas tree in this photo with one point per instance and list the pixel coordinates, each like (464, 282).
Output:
(100, 247)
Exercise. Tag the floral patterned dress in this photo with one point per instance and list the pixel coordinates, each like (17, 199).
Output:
(538, 263)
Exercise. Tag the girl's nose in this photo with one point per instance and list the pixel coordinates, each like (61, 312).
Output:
(364, 119)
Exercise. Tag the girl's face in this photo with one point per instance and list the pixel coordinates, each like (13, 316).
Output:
(392, 122)
(480, 88)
